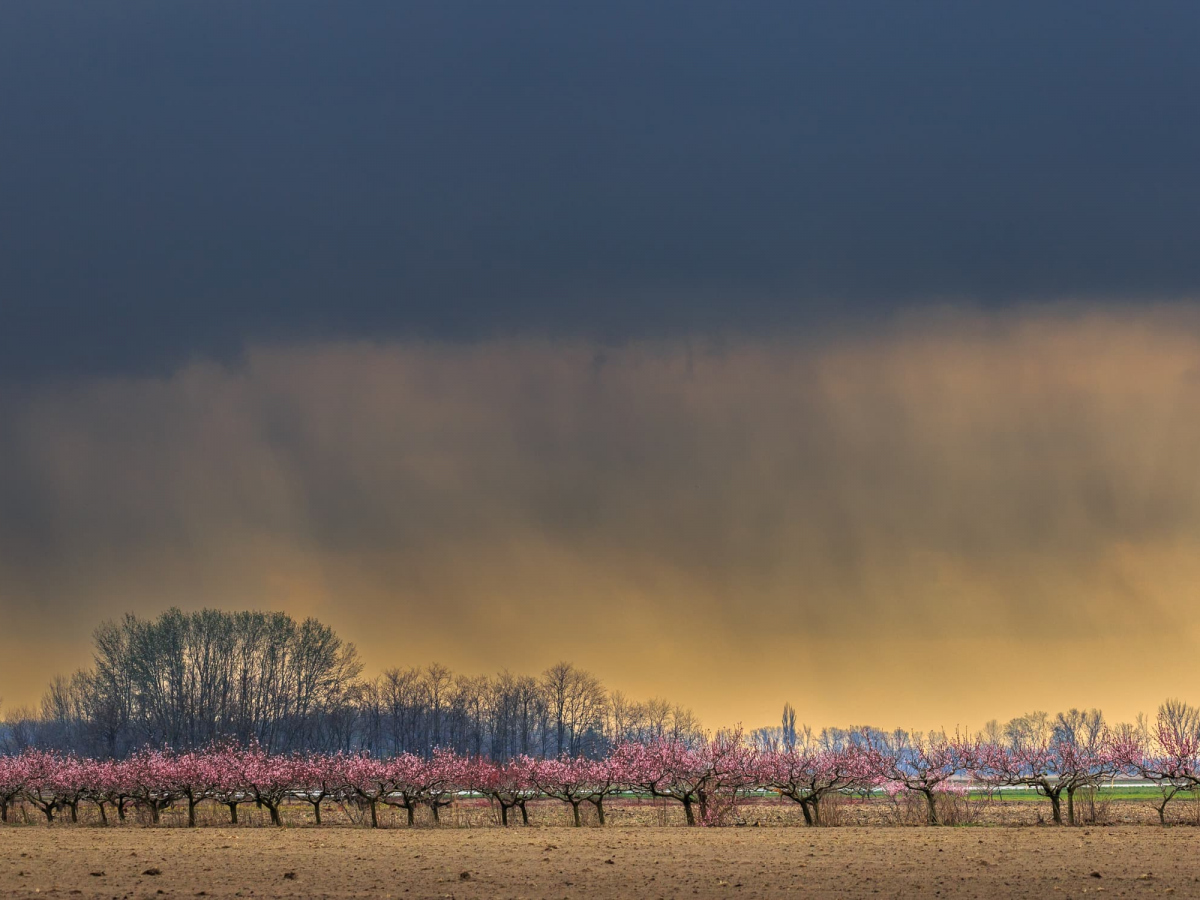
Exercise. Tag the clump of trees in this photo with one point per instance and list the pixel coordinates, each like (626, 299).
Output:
(189, 680)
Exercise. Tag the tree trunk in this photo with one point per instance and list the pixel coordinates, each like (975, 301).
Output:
(73, 805)
(1071, 805)
(599, 804)
(503, 814)
(232, 812)
(3, 810)
(154, 812)
(316, 804)
(192, 801)
(48, 809)
(524, 813)
(1162, 808)
(121, 809)
(931, 802)
(575, 811)
(103, 814)
(687, 811)
(1056, 807)
(273, 809)
(804, 808)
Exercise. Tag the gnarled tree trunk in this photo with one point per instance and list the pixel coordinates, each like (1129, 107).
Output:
(687, 811)
(931, 805)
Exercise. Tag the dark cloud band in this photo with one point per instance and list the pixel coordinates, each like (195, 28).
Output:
(182, 180)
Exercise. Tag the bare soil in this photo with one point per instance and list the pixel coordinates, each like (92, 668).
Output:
(640, 862)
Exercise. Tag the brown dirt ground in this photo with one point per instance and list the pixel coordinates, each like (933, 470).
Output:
(641, 862)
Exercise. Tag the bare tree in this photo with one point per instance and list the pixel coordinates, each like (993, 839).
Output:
(576, 702)
(788, 726)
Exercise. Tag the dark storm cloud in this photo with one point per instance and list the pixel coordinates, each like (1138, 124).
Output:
(178, 179)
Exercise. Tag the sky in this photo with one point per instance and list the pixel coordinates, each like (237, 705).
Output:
(845, 354)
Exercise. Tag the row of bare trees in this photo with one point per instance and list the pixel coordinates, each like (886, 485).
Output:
(192, 679)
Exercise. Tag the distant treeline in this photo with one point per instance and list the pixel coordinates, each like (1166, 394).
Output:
(188, 680)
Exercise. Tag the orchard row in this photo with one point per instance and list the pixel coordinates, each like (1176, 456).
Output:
(708, 778)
